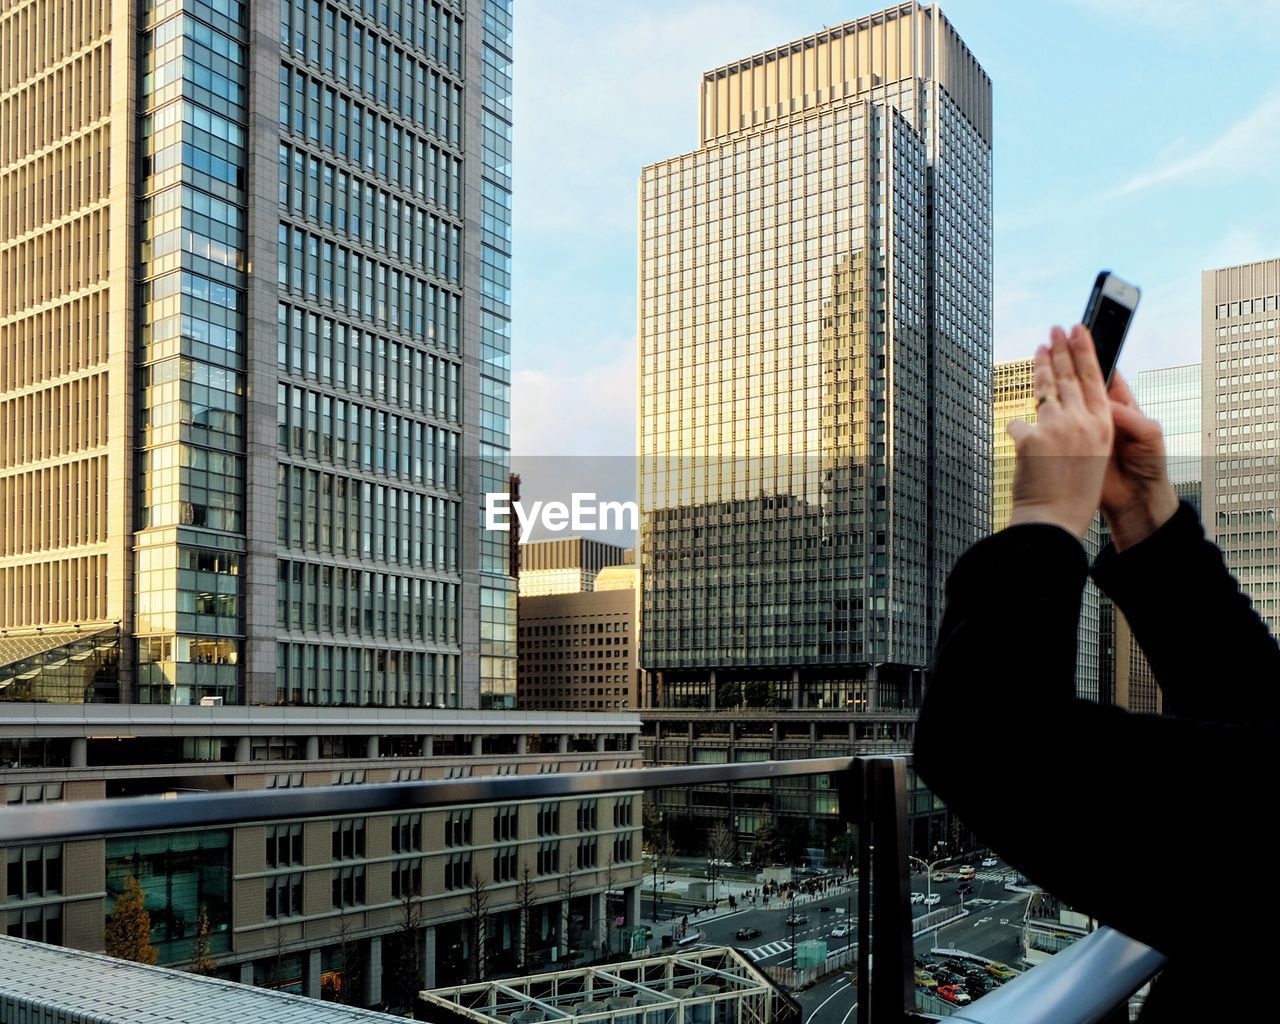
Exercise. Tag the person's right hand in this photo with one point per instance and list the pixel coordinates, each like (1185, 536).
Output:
(1137, 497)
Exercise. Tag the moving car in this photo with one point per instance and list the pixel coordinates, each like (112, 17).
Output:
(796, 919)
(1002, 971)
(990, 862)
(954, 994)
(748, 933)
(917, 897)
(964, 888)
(932, 900)
(840, 931)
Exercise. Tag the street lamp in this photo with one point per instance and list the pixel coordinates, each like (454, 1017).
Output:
(928, 871)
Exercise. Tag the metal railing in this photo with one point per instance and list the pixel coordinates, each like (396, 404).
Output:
(1085, 984)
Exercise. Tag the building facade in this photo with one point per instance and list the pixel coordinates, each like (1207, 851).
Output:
(1013, 398)
(581, 651)
(1240, 310)
(1171, 396)
(313, 905)
(815, 360)
(566, 566)
(227, 516)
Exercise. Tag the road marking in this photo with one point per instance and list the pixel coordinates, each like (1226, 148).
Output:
(769, 949)
(824, 1002)
(850, 1013)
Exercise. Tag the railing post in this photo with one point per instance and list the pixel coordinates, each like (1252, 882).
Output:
(878, 799)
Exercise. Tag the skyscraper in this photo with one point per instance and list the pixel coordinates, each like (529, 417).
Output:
(815, 359)
(1240, 347)
(1171, 396)
(220, 481)
(1014, 398)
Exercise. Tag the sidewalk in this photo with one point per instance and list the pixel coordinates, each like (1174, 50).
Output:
(836, 896)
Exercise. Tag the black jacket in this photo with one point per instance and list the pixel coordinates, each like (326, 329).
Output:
(1152, 824)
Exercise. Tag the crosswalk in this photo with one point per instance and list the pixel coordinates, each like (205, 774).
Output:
(769, 949)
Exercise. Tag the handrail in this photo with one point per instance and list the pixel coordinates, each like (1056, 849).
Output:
(1084, 984)
(93, 819)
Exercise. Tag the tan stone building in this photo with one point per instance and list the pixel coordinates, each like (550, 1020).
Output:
(287, 902)
(580, 651)
(1240, 418)
(567, 565)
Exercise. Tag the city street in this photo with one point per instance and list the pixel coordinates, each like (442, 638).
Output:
(993, 930)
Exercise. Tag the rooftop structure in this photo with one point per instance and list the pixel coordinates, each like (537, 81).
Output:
(713, 984)
(44, 984)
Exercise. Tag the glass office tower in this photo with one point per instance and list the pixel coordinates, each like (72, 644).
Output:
(815, 361)
(276, 398)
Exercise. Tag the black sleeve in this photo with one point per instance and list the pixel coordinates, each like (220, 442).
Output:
(1212, 655)
(1096, 805)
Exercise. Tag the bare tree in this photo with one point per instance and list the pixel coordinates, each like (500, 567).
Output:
(566, 887)
(406, 968)
(610, 880)
(656, 841)
(346, 990)
(527, 904)
(722, 844)
(478, 911)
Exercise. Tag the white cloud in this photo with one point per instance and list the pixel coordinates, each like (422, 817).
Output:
(1249, 146)
(566, 410)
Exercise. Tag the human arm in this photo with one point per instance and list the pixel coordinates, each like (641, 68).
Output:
(1094, 804)
(1185, 608)
(1213, 656)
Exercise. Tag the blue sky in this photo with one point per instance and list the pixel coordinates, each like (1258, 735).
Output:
(1140, 135)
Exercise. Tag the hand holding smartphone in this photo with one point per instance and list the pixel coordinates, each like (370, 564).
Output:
(1107, 315)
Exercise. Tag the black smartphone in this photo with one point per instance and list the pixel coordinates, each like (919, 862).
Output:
(1108, 315)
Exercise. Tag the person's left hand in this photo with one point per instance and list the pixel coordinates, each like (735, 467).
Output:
(1062, 459)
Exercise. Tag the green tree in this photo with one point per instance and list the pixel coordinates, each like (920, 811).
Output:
(729, 694)
(756, 693)
(128, 932)
(202, 961)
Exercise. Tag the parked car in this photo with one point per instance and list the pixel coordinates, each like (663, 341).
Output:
(932, 900)
(925, 980)
(964, 888)
(946, 976)
(917, 897)
(840, 931)
(748, 933)
(990, 862)
(976, 986)
(954, 994)
(796, 919)
(1002, 971)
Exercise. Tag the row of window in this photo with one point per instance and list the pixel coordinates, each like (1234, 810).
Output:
(328, 36)
(324, 193)
(336, 515)
(395, 150)
(330, 351)
(314, 425)
(1246, 307)
(322, 674)
(334, 599)
(311, 266)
